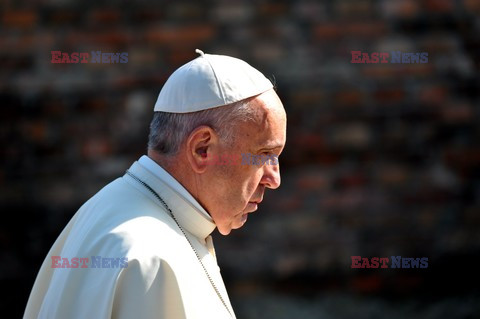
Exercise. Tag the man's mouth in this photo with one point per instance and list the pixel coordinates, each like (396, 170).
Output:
(257, 201)
(253, 205)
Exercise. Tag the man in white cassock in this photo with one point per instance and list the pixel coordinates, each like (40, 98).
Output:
(141, 247)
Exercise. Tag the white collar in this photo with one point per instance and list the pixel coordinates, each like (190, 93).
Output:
(162, 174)
(186, 213)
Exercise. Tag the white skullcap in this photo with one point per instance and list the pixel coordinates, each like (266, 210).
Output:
(210, 81)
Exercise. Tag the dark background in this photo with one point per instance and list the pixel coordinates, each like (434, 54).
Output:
(381, 159)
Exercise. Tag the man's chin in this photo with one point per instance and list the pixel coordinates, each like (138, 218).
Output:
(251, 207)
(226, 230)
(243, 219)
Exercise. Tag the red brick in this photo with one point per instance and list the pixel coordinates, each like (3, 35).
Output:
(95, 104)
(288, 205)
(365, 29)
(307, 98)
(463, 159)
(354, 9)
(63, 16)
(459, 112)
(140, 57)
(350, 98)
(268, 52)
(97, 147)
(423, 70)
(390, 95)
(272, 9)
(171, 35)
(395, 70)
(26, 43)
(404, 8)
(378, 70)
(290, 263)
(104, 16)
(185, 11)
(100, 40)
(309, 140)
(472, 6)
(313, 181)
(328, 31)
(150, 15)
(427, 218)
(356, 29)
(328, 157)
(354, 135)
(20, 19)
(179, 55)
(232, 12)
(367, 284)
(433, 95)
(439, 43)
(310, 10)
(35, 130)
(444, 6)
(353, 180)
(392, 175)
(13, 44)
(407, 283)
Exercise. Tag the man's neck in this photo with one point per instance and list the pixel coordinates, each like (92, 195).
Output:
(173, 166)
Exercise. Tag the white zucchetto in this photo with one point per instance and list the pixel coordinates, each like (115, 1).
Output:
(210, 81)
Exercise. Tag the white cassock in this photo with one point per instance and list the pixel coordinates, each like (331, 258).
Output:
(163, 278)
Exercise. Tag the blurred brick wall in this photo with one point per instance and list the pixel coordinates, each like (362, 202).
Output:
(381, 159)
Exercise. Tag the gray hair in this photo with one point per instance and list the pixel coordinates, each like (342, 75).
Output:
(169, 130)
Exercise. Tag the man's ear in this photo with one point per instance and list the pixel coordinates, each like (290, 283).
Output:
(200, 146)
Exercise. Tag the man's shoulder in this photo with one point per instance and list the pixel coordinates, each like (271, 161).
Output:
(119, 202)
(121, 216)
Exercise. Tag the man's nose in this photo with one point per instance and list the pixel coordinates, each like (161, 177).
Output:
(271, 176)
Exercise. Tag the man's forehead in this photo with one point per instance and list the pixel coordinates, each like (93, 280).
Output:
(271, 130)
(270, 139)
(269, 100)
